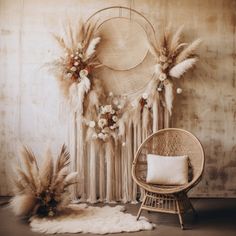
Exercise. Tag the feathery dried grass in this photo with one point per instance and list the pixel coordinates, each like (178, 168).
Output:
(42, 191)
(80, 42)
(173, 59)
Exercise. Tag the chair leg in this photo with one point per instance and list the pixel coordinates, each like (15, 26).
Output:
(140, 209)
(180, 215)
(181, 221)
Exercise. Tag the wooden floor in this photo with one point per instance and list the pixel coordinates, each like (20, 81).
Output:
(216, 217)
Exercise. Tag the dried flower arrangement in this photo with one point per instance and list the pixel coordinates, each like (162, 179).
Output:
(106, 125)
(42, 191)
(74, 69)
(173, 59)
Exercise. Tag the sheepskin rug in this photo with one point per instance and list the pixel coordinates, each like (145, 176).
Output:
(80, 218)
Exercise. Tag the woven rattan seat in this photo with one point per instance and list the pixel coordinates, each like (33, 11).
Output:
(168, 199)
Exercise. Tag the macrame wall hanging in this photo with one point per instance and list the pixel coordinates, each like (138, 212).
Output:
(118, 81)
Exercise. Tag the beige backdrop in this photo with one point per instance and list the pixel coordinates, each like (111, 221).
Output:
(30, 100)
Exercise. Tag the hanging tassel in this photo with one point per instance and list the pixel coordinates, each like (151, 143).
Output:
(118, 173)
(129, 160)
(92, 173)
(145, 123)
(109, 155)
(155, 113)
(102, 180)
(135, 148)
(72, 148)
(169, 95)
(80, 158)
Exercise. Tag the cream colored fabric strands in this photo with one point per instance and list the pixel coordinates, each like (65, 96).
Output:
(102, 176)
(92, 173)
(109, 154)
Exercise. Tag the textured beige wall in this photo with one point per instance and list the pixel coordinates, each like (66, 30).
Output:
(30, 100)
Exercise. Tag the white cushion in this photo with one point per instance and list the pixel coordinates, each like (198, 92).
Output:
(167, 170)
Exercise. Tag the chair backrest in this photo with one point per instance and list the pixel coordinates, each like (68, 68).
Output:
(169, 142)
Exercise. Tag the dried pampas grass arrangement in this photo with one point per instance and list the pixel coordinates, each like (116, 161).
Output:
(173, 59)
(42, 191)
(74, 69)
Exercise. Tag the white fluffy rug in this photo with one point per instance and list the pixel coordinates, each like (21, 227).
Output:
(88, 219)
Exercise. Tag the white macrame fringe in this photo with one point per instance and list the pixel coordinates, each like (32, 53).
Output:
(105, 167)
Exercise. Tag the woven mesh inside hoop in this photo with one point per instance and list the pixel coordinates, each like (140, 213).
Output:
(135, 79)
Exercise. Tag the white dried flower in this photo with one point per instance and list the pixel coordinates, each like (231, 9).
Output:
(111, 94)
(102, 110)
(162, 76)
(163, 58)
(92, 124)
(76, 58)
(112, 127)
(115, 118)
(101, 135)
(145, 96)
(83, 73)
(76, 63)
(108, 108)
(94, 136)
(73, 68)
(72, 55)
(120, 106)
(179, 90)
(102, 122)
(113, 111)
(159, 89)
(68, 75)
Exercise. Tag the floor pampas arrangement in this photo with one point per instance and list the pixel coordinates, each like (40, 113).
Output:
(42, 191)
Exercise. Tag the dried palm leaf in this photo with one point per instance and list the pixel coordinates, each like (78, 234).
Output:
(169, 96)
(63, 159)
(31, 166)
(46, 172)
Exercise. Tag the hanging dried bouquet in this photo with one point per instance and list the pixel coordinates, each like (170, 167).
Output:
(75, 67)
(173, 58)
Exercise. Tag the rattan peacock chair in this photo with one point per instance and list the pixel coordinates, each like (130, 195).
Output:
(166, 198)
